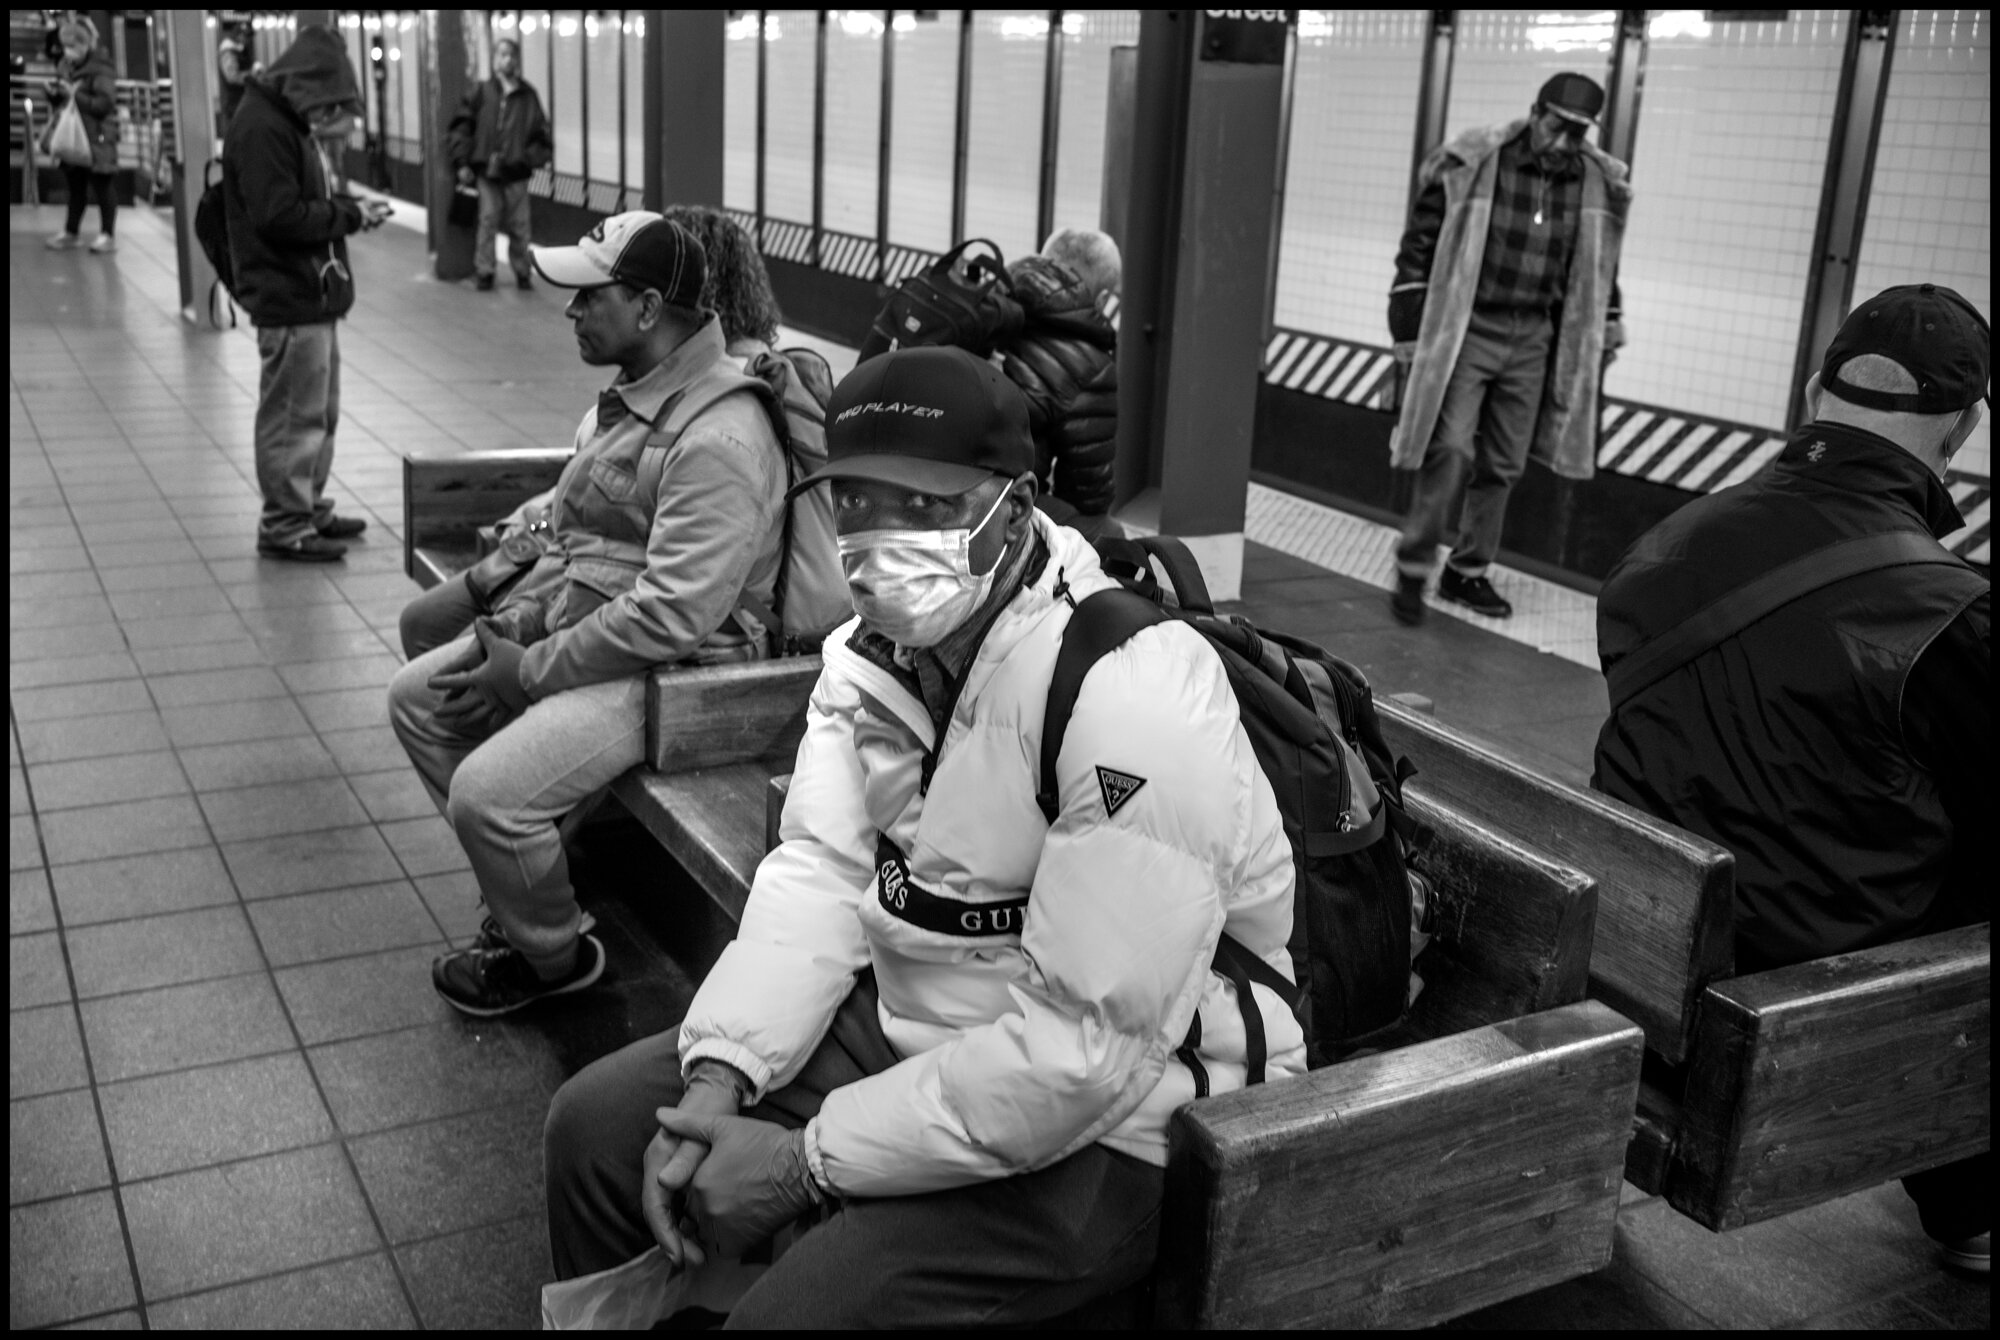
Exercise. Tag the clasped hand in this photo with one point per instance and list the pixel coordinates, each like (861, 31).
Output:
(482, 686)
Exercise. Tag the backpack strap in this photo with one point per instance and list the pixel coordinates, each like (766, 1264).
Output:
(1734, 611)
(1178, 561)
(1101, 623)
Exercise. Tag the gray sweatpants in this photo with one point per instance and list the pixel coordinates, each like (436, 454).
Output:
(503, 208)
(1480, 446)
(298, 407)
(1020, 1250)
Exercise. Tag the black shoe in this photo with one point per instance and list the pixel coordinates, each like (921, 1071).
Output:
(484, 283)
(491, 937)
(305, 549)
(489, 982)
(1475, 593)
(523, 283)
(1407, 601)
(341, 527)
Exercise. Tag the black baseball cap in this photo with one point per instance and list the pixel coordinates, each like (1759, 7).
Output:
(1927, 329)
(1573, 97)
(933, 420)
(639, 248)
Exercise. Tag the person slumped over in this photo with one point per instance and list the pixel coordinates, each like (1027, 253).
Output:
(949, 1030)
(1841, 746)
(665, 516)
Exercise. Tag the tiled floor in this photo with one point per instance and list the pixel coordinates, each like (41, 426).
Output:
(234, 1099)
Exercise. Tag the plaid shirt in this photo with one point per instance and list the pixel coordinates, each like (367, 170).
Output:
(1532, 233)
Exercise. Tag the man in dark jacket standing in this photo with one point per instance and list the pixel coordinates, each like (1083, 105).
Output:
(286, 237)
(1841, 744)
(497, 140)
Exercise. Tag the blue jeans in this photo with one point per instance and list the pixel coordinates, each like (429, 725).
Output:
(503, 208)
(298, 407)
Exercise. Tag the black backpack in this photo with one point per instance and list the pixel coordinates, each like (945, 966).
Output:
(1360, 909)
(962, 299)
(211, 229)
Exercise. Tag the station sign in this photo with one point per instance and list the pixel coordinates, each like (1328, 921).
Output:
(1246, 36)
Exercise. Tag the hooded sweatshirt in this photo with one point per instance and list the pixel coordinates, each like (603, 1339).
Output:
(286, 225)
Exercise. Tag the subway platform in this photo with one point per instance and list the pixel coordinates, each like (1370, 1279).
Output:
(234, 1099)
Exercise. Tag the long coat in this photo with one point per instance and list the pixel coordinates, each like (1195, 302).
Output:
(1565, 437)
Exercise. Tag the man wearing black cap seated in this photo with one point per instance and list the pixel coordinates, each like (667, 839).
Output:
(950, 1033)
(664, 521)
(1800, 671)
(1504, 313)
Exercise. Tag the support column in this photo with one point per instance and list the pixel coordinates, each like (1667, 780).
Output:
(452, 41)
(191, 47)
(1434, 92)
(1628, 78)
(683, 105)
(1206, 164)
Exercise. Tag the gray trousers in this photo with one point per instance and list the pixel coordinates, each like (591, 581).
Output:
(505, 792)
(503, 208)
(1020, 1250)
(298, 407)
(1480, 446)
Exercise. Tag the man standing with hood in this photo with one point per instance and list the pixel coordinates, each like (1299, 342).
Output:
(287, 231)
(1504, 314)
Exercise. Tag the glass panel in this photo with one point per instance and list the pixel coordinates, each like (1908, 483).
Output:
(1347, 181)
(406, 71)
(1930, 206)
(853, 119)
(1004, 147)
(739, 114)
(635, 100)
(1501, 57)
(1088, 36)
(566, 90)
(923, 122)
(357, 51)
(789, 60)
(600, 40)
(535, 42)
(1721, 232)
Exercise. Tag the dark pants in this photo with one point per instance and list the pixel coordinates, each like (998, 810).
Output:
(84, 183)
(1480, 446)
(440, 615)
(1019, 1250)
(298, 409)
(1955, 1201)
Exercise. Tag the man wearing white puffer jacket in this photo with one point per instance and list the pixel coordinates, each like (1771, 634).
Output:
(949, 1034)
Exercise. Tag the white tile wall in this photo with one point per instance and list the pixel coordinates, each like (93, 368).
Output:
(1728, 166)
(1930, 206)
(920, 144)
(1501, 58)
(1088, 36)
(1354, 107)
(789, 63)
(1004, 146)
(739, 114)
(853, 121)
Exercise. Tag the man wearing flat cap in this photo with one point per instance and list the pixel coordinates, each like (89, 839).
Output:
(1802, 672)
(950, 1032)
(1504, 312)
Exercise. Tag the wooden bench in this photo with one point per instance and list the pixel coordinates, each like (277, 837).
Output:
(446, 499)
(1764, 1093)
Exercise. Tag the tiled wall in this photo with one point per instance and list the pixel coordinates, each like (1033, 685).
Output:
(1004, 142)
(789, 62)
(920, 143)
(1501, 58)
(1930, 206)
(1088, 37)
(1728, 166)
(739, 113)
(1347, 179)
(853, 120)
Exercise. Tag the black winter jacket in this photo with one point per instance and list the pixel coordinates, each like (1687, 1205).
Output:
(494, 129)
(1065, 360)
(95, 80)
(286, 225)
(1840, 747)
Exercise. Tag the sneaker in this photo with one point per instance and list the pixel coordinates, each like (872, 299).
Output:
(1407, 602)
(1972, 1255)
(305, 549)
(341, 527)
(105, 244)
(484, 283)
(491, 937)
(489, 982)
(523, 283)
(1475, 593)
(64, 242)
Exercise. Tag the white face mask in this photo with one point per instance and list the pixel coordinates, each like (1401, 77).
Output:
(915, 586)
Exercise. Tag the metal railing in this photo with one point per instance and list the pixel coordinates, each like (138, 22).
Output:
(145, 131)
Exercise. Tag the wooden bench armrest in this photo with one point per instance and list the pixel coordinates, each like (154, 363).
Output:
(1403, 1188)
(1808, 1082)
(1664, 895)
(447, 498)
(709, 716)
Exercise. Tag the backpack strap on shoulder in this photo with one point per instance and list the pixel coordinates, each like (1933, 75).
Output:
(1101, 623)
(1178, 561)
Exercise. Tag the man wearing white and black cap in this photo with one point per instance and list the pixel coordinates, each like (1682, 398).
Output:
(1504, 312)
(950, 1032)
(662, 525)
(1800, 671)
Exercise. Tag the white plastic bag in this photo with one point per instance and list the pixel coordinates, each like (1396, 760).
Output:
(644, 1290)
(67, 141)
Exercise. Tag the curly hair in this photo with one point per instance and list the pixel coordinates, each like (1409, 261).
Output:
(738, 289)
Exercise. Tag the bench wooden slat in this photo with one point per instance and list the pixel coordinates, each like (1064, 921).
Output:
(705, 716)
(447, 498)
(708, 820)
(1664, 895)
(1827, 1077)
(1403, 1188)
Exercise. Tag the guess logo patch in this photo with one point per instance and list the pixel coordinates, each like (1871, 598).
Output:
(1117, 788)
